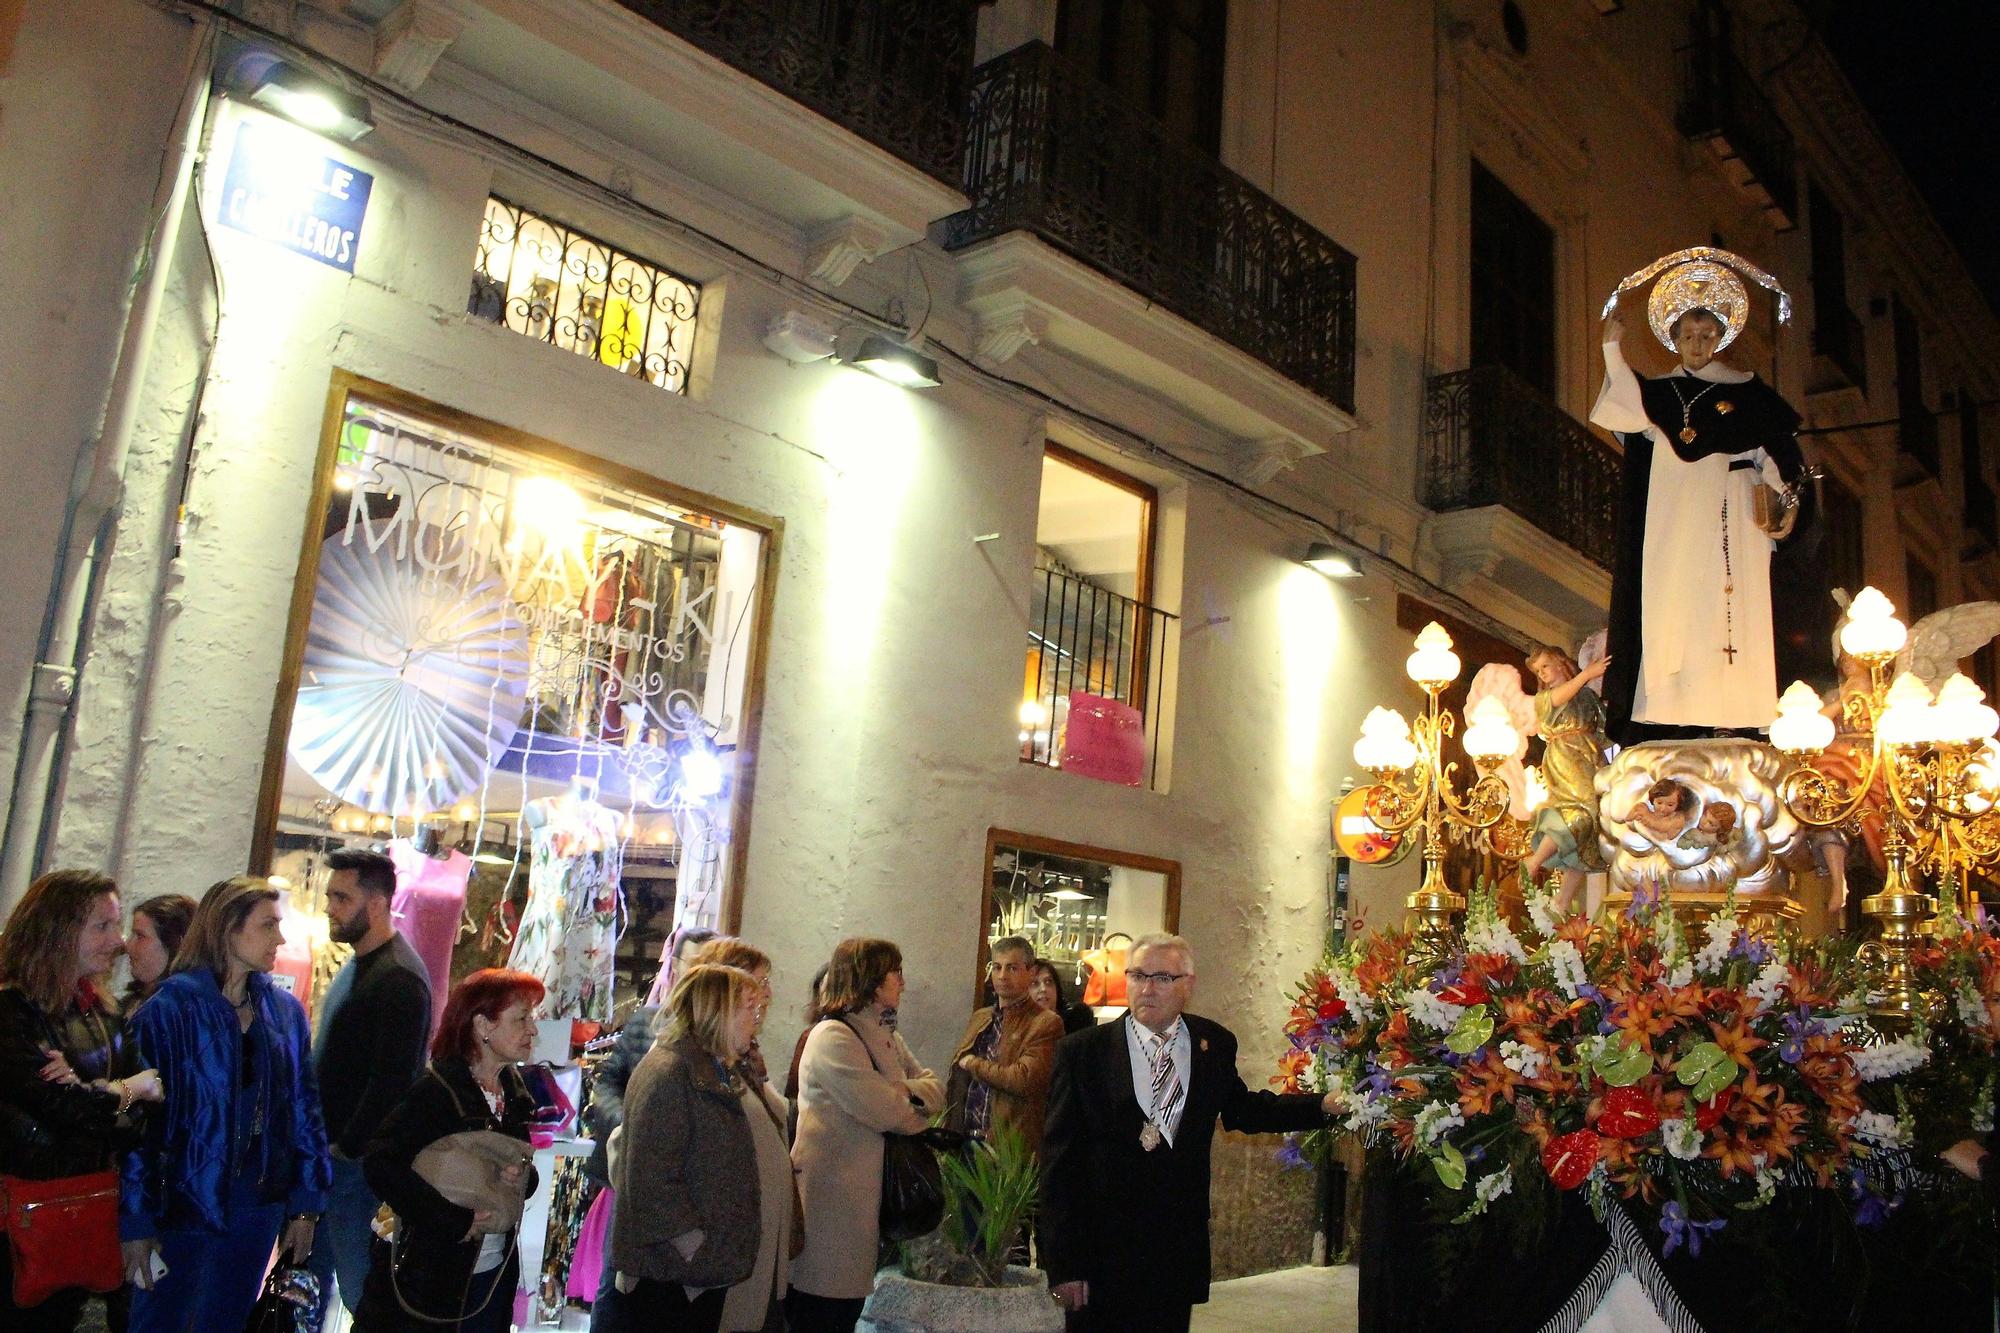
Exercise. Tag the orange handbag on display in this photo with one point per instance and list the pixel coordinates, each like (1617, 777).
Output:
(1107, 976)
(62, 1233)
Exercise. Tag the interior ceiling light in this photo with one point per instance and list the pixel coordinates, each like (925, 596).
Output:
(1333, 562)
(306, 99)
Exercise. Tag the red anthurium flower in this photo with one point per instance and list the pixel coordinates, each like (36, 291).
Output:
(1466, 993)
(1707, 1113)
(1628, 1113)
(1568, 1158)
(1331, 1010)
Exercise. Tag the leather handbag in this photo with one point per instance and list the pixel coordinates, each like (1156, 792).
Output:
(912, 1183)
(61, 1234)
(291, 1294)
(467, 1169)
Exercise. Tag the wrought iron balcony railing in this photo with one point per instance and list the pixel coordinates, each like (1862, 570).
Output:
(1087, 644)
(894, 72)
(1720, 100)
(1052, 151)
(1917, 441)
(1982, 523)
(1492, 440)
(1841, 341)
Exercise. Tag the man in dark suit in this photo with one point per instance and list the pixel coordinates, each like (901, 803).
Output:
(1132, 1112)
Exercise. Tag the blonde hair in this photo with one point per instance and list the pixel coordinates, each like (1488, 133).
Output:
(220, 914)
(728, 951)
(702, 1003)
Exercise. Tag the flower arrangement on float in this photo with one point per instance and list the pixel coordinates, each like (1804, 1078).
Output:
(1691, 1073)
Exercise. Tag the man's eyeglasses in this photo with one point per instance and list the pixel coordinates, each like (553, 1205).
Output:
(1134, 977)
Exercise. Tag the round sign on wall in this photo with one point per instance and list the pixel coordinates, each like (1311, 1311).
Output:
(1360, 838)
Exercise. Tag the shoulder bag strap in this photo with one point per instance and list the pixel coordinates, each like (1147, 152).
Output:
(866, 1049)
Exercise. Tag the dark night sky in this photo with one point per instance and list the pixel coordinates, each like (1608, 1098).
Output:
(1924, 69)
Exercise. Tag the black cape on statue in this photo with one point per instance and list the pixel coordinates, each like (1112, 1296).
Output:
(1757, 418)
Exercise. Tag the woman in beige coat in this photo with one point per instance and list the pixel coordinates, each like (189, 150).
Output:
(857, 1080)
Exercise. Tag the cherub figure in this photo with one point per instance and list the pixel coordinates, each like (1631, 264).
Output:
(1666, 815)
(1714, 829)
(1570, 719)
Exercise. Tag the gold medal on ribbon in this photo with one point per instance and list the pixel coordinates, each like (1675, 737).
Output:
(1149, 1137)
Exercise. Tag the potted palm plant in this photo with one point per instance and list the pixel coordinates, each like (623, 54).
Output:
(958, 1279)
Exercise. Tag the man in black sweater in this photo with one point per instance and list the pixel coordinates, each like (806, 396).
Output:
(373, 1027)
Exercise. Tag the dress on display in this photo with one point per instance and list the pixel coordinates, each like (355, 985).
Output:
(428, 909)
(569, 931)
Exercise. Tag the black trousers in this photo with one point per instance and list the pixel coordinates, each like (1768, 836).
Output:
(58, 1314)
(807, 1313)
(1129, 1312)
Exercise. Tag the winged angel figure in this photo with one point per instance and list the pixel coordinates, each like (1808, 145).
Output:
(1566, 713)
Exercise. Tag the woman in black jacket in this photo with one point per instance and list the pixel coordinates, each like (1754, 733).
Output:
(447, 1266)
(63, 1111)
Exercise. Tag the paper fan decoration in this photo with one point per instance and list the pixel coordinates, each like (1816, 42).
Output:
(412, 682)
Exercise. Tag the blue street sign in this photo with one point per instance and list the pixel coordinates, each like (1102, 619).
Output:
(297, 199)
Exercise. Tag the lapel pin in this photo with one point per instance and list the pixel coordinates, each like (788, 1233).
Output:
(1204, 1045)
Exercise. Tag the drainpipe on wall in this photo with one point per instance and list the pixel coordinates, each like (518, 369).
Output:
(89, 520)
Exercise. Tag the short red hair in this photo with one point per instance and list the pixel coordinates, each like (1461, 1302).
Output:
(486, 994)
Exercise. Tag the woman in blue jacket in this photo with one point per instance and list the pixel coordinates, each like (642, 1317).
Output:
(238, 1153)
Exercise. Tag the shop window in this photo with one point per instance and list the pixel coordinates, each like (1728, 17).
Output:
(534, 682)
(555, 284)
(1080, 907)
(1097, 647)
(1513, 284)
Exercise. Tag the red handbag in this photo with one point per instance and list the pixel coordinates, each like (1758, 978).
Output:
(62, 1233)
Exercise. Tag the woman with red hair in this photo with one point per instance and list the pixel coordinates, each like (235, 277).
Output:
(447, 1266)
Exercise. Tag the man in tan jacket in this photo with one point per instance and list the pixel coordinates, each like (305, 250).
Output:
(1001, 1070)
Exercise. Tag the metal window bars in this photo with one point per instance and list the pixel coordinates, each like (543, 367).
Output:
(1086, 640)
(542, 278)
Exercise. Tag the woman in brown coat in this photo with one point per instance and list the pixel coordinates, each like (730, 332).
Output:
(685, 1166)
(857, 1080)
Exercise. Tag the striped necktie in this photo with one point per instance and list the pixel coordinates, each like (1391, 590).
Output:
(1166, 1084)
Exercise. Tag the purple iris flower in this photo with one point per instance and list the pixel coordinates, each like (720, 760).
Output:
(1799, 1024)
(1290, 1155)
(1377, 1080)
(1871, 1209)
(1680, 1229)
(1749, 947)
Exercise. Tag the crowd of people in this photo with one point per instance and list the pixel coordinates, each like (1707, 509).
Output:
(393, 1163)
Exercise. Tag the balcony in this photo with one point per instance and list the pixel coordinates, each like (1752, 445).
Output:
(1982, 524)
(892, 71)
(1722, 106)
(1839, 347)
(1097, 676)
(1525, 497)
(1059, 167)
(1917, 447)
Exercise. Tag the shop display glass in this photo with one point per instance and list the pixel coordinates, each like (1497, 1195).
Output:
(1081, 907)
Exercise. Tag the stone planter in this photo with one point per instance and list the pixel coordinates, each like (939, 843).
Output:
(901, 1304)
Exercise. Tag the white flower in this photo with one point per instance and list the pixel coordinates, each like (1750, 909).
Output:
(1889, 1059)
(1522, 1059)
(1720, 937)
(1764, 990)
(1429, 1010)
(1368, 1113)
(1682, 1138)
(1313, 1077)
(1492, 1187)
(1542, 912)
(1493, 936)
(1971, 1009)
(1879, 1129)
(1567, 960)
(1982, 1108)
(1359, 1008)
(1682, 975)
(1435, 1121)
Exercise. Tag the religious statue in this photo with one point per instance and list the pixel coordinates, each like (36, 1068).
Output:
(1570, 719)
(1712, 478)
(1697, 819)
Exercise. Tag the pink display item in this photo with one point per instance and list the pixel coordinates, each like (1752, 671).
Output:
(294, 971)
(428, 909)
(586, 1265)
(1105, 739)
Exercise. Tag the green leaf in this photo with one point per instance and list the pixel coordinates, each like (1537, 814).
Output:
(1623, 1062)
(1449, 1163)
(1707, 1069)
(1473, 1030)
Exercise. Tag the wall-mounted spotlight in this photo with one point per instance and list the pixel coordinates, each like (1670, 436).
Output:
(800, 338)
(1333, 562)
(306, 99)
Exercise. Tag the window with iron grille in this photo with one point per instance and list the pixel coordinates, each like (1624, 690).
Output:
(545, 279)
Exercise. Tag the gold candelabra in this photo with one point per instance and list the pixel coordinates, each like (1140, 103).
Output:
(1414, 784)
(1932, 767)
